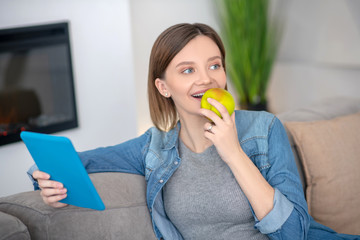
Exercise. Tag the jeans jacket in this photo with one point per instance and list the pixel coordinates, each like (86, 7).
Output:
(263, 138)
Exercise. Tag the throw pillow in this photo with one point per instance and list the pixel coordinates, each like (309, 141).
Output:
(330, 153)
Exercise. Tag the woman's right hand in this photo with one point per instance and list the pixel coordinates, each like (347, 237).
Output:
(51, 191)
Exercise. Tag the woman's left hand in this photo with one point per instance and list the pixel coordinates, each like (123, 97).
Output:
(223, 133)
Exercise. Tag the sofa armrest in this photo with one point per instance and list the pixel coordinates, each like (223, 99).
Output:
(126, 215)
(12, 228)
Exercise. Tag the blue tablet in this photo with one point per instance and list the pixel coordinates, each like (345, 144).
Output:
(56, 156)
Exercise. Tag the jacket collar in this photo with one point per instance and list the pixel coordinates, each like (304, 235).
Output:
(171, 137)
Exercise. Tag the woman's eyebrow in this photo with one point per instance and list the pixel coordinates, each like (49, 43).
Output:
(184, 63)
(191, 62)
(213, 58)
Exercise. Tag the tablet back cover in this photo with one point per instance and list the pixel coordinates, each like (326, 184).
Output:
(56, 156)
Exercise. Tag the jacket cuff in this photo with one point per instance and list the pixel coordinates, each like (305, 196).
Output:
(277, 216)
(29, 173)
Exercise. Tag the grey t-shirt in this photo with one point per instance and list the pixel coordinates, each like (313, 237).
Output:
(204, 200)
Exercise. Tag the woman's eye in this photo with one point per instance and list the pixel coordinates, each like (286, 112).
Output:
(215, 66)
(188, 70)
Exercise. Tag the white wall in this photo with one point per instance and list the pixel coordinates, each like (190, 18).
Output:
(103, 71)
(319, 56)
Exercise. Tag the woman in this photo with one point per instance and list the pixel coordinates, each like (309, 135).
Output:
(228, 178)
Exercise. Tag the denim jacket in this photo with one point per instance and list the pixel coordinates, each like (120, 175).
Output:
(263, 138)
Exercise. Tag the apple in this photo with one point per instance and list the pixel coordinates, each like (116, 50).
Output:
(222, 96)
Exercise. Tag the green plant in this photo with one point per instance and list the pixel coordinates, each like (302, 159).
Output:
(251, 41)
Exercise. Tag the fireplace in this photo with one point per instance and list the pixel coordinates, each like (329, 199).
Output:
(36, 81)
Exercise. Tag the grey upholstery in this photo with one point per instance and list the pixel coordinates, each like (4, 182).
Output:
(126, 215)
(12, 228)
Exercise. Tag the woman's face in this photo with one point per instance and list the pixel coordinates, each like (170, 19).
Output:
(195, 69)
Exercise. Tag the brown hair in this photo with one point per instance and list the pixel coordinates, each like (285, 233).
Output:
(169, 43)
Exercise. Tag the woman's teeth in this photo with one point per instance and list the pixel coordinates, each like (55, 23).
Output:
(199, 95)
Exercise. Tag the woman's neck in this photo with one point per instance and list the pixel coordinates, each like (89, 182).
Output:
(192, 133)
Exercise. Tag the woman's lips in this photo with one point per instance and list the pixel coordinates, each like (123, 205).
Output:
(198, 95)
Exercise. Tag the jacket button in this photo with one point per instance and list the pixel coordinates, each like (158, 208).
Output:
(161, 181)
(176, 162)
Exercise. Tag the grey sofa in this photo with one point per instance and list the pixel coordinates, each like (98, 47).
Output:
(126, 215)
(25, 216)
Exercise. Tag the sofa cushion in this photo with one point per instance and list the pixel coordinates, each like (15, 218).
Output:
(329, 151)
(126, 215)
(12, 228)
(323, 110)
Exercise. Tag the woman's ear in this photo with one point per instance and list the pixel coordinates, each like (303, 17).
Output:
(161, 87)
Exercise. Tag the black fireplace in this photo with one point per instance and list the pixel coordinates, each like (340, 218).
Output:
(36, 81)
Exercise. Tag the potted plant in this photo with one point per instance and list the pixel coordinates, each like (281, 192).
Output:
(251, 40)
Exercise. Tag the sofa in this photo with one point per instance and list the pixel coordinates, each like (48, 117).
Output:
(315, 132)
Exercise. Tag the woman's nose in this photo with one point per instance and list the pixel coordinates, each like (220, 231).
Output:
(203, 78)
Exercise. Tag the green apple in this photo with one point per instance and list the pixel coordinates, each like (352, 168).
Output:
(222, 96)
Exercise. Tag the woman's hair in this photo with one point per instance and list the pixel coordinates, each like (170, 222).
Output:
(169, 43)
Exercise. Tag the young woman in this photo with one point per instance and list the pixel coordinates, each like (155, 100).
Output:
(207, 177)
